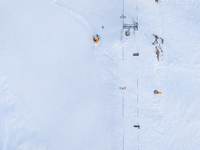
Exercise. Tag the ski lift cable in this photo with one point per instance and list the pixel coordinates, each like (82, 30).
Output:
(136, 43)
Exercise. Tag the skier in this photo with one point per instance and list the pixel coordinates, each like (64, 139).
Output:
(96, 39)
(156, 92)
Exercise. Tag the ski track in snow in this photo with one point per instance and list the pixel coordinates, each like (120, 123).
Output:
(80, 19)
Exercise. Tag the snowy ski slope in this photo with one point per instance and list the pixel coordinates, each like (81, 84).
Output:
(60, 91)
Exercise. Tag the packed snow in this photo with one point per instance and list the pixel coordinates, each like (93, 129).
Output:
(61, 91)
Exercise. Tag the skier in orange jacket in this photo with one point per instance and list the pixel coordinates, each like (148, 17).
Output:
(96, 39)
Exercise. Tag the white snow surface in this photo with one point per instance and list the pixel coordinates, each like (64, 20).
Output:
(60, 91)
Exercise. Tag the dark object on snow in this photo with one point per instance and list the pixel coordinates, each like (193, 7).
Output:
(102, 27)
(156, 92)
(156, 0)
(135, 54)
(137, 126)
(122, 88)
(122, 16)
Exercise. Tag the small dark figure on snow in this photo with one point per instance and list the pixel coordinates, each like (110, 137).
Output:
(156, 92)
(96, 38)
